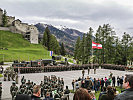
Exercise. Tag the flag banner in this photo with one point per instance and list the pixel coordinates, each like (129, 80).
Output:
(39, 63)
(96, 45)
(51, 53)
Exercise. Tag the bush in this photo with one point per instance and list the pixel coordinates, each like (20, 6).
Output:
(1, 75)
(1, 63)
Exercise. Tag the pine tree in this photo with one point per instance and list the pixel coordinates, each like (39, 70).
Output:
(82, 48)
(77, 50)
(98, 40)
(125, 44)
(54, 45)
(44, 42)
(4, 18)
(63, 52)
(88, 45)
(46, 38)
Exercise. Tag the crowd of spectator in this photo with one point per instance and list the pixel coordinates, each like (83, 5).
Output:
(89, 86)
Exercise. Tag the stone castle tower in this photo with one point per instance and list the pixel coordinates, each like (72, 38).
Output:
(30, 32)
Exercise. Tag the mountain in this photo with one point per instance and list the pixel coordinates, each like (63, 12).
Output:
(63, 34)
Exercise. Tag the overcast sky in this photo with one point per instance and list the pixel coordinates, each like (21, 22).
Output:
(77, 14)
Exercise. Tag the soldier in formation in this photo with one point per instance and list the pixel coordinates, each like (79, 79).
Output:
(52, 84)
(13, 90)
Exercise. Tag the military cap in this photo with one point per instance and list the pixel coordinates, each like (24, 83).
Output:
(13, 82)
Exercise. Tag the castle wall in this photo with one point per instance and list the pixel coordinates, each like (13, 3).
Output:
(1, 13)
(30, 32)
(33, 34)
(10, 19)
(4, 28)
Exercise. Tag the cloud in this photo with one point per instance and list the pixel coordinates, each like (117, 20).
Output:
(79, 14)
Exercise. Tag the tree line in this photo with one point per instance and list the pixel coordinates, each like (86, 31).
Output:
(52, 44)
(114, 50)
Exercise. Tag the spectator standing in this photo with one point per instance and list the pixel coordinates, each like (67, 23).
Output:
(102, 84)
(110, 94)
(121, 82)
(73, 84)
(48, 97)
(128, 85)
(113, 81)
(82, 94)
(66, 92)
(76, 85)
(103, 92)
(118, 81)
(36, 93)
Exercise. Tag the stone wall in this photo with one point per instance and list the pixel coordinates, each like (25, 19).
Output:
(4, 28)
(10, 19)
(33, 34)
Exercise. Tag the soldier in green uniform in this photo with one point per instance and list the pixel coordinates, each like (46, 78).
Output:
(9, 75)
(13, 75)
(13, 90)
(94, 70)
(16, 80)
(0, 90)
(88, 70)
(5, 75)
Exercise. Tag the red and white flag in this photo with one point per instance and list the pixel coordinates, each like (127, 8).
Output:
(96, 45)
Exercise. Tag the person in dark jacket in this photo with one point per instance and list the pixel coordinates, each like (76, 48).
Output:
(128, 85)
(102, 84)
(103, 92)
(48, 97)
(66, 92)
(110, 94)
(36, 92)
(22, 97)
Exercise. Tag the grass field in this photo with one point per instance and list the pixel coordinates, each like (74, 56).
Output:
(19, 48)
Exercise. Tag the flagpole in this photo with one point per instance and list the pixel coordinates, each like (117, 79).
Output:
(92, 60)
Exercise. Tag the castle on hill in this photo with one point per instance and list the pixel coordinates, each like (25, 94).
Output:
(30, 32)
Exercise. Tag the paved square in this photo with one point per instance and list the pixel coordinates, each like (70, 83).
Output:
(68, 76)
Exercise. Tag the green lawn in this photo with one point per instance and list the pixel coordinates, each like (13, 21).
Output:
(19, 48)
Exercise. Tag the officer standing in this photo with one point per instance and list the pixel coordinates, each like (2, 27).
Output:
(88, 70)
(94, 70)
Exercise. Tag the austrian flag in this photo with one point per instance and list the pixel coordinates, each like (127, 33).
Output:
(96, 45)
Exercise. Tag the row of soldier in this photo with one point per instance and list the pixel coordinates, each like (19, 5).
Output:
(51, 84)
(67, 68)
